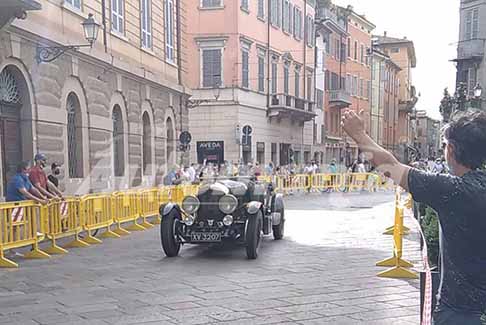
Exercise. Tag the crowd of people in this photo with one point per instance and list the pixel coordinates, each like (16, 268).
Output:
(33, 182)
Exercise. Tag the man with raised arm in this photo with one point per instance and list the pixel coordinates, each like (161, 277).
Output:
(460, 201)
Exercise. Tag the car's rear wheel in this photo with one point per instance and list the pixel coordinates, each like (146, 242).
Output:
(168, 235)
(278, 231)
(254, 235)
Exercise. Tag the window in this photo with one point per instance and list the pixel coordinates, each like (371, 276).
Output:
(355, 50)
(75, 137)
(349, 47)
(368, 88)
(286, 16)
(361, 87)
(355, 86)
(211, 3)
(297, 23)
(327, 43)
(261, 73)
(291, 18)
(319, 99)
(74, 3)
(309, 29)
(362, 53)
(146, 145)
(471, 29)
(274, 77)
(169, 30)
(244, 5)
(244, 69)
(343, 52)
(471, 80)
(334, 81)
(309, 86)
(348, 84)
(395, 50)
(211, 67)
(261, 9)
(146, 23)
(118, 143)
(286, 78)
(337, 50)
(327, 84)
(117, 16)
(274, 12)
(261, 152)
(279, 13)
(297, 82)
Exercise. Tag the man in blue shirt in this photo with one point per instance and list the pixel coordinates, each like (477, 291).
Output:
(460, 201)
(20, 188)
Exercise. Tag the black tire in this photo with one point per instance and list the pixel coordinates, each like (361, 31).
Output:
(170, 244)
(254, 235)
(278, 231)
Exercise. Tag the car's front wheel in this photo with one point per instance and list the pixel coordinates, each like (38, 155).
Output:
(278, 230)
(168, 235)
(254, 235)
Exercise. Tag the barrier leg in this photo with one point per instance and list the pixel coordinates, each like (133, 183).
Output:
(76, 243)
(146, 224)
(36, 253)
(135, 227)
(109, 234)
(5, 262)
(394, 261)
(398, 272)
(55, 249)
(90, 239)
(120, 231)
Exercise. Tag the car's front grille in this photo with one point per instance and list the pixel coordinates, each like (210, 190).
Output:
(209, 208)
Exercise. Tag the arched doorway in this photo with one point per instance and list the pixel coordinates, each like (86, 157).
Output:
(75, 137)
(13, 97)
(170, 154)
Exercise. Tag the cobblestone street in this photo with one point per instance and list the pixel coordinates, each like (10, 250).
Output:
(322, 272)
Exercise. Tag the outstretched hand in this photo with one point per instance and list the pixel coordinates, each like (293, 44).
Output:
(353, 124)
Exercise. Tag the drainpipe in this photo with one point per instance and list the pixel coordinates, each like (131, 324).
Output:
(269, 8)
(178, 31)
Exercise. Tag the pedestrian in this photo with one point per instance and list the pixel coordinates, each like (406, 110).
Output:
(460, 201)
(55, 172)
(38, 178)
(192, 173)
(20, 188)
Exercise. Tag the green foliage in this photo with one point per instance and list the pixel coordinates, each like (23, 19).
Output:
(430, 226)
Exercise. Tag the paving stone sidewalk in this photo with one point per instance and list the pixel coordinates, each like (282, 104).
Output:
(323, 272)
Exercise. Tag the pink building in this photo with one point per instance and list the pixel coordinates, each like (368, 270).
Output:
(251, 63)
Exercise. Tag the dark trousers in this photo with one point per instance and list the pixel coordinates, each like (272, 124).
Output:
(444, 315)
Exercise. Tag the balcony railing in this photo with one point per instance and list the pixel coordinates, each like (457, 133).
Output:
(339, 98)
(283, 104)
(324, 13)
(472, 49)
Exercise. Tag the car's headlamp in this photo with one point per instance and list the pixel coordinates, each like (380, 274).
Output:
(189, 220)
(190, 204)
(228, 204)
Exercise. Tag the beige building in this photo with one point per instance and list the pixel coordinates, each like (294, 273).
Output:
(111, 113)
(252, 64)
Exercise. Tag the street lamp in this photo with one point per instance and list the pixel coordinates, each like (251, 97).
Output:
(50, 53)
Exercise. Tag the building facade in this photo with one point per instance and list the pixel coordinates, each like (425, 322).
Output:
(402, 52)
(471, 65)
(252, 69)
(110, 113)
(384, 101)
(428, 136)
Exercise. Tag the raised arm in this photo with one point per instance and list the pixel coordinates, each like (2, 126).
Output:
(382, 159)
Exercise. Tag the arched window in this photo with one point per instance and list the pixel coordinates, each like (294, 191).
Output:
(118, 143)
(146, 145)
(170, 142)
(75, 138)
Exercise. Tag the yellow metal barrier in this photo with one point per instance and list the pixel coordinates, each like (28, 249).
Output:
(97, 214)
(18, 228)
(62, 218)
(326, 181)
(149, 206)
(398, 265)
(176, 194)
(126, 208)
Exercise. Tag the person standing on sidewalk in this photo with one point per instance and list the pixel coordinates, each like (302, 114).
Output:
(460, 200)
(38, 178)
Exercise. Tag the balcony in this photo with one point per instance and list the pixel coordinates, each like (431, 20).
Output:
(325, 14)
(339, 98)
(287, 106)
(470, 50)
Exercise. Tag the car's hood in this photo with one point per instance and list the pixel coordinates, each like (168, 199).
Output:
(224, 187)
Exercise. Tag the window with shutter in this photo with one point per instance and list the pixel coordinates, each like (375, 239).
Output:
(286, 78)
(261, 73)
(169, 31)
(274, 77)
(146, 23)
(211, 67)
(244, 5)
(244, 70)
(261, 9)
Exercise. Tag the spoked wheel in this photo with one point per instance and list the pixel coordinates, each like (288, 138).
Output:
(254, 235)
(168, 235)
(278, 231)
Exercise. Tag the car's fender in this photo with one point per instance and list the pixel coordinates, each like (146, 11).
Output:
(253, 207)
(165, 209)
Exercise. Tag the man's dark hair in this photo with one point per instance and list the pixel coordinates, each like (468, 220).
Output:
(22, 165)
(468, 135)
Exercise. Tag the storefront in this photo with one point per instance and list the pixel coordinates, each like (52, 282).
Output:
(210, 151)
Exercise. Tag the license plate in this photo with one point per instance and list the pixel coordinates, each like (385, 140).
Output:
(206, 237)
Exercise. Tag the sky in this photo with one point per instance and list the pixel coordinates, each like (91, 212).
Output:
(433, 26)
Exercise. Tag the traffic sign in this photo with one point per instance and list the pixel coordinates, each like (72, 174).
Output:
(185, 137)
(247, 130)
